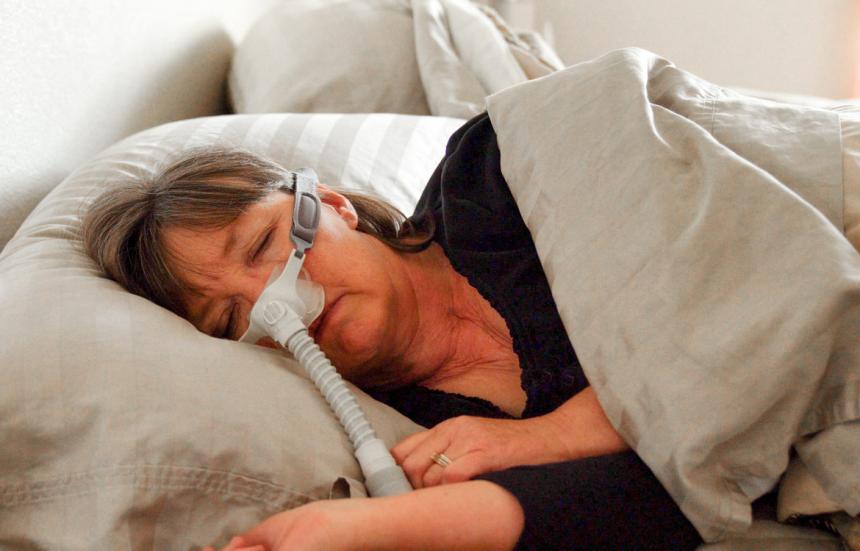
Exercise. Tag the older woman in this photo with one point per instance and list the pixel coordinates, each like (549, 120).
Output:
(447, 316)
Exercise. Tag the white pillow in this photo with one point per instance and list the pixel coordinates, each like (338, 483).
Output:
(337, 56)
(122, 426)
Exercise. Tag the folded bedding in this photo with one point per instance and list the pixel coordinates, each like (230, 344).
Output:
(440, 57)
(692, 238)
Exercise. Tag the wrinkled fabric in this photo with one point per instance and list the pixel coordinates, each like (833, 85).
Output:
(111, 420)
(849, 117)
(692, 239)
(466, 52)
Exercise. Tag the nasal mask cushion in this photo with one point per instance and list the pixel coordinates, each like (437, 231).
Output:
(289, 286)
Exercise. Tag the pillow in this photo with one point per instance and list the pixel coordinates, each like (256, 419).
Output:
(123, 427)
(343, 56)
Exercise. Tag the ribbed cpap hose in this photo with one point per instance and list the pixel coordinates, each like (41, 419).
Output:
(382, 476)
(331, 385)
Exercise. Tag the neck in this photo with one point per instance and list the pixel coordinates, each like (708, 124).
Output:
(459, 336)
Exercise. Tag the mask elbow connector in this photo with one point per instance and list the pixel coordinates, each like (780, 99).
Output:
(283, 321)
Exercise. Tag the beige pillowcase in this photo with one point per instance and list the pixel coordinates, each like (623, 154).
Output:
(335, 56)
(123, 427)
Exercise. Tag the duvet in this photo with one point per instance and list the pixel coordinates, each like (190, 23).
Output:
(692, 240)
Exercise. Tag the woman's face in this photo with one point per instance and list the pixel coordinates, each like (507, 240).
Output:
(365, 288)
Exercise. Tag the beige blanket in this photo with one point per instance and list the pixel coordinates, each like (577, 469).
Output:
(692, 240)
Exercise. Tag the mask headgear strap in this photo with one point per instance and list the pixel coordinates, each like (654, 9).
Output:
(306, 209)
(306, 217)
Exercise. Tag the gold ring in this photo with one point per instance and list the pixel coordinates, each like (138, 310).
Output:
(441, 459)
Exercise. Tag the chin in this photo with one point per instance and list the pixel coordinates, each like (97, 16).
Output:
(355, 346)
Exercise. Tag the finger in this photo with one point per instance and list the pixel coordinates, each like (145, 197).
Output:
(269, 532)
(415, 466)
(404, 448)
(433, 476)
(420, 462)
(234, 544)
(466, 468)
(414, 471)
(258, 537)
(229, 547)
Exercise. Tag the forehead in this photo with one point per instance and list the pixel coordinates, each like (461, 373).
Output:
(208, 244)
(196, 247)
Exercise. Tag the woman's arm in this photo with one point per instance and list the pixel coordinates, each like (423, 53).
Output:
(475, 515)
(461, 514)
(476, 445)
(583, 428)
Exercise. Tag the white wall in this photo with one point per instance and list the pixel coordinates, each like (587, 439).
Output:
(79, 76)
(795, 46)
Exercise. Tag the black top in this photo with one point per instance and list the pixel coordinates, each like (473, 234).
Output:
(479, 227)
(604, 502)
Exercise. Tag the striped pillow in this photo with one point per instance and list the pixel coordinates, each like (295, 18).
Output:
(124, 427)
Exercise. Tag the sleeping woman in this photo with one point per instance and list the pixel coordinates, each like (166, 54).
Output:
(446, 316)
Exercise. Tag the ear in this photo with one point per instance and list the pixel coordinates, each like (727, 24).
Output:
(341, 205)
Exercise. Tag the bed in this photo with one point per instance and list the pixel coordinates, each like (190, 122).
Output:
(123, 427)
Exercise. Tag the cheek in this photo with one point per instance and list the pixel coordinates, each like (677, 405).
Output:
(349, 260)
(359, 338)
(357, 335)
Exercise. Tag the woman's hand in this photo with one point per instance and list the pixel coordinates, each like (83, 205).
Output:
(318, 526)
(478, 445)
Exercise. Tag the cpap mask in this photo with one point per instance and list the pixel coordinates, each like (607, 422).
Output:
(289, 303)
(289, 286)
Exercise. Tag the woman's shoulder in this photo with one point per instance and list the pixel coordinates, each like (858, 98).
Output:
(468, 196)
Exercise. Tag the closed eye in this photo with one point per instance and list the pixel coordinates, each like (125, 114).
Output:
(228, 331)
(263, 246)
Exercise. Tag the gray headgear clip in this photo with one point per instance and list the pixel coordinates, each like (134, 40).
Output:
(306, 210)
